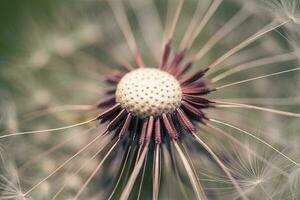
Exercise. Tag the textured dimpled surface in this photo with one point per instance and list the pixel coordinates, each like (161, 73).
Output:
(149, 92)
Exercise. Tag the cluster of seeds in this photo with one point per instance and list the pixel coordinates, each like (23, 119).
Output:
(149, 92)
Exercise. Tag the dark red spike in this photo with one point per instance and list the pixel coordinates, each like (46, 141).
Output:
(115, 122)
(173, 70)
(196, 76)
(157, 131)
(165, 55)
(184, 69)
(107, 101)
(111, 91)
(143, 132)
(196, 98)
(199, 90)
(112, 79)
(196, 84)
(169, 127)
(185, 120)
(109, 111)
(149, 129)
(172, 124)
(126, 125)
(197, 113)
(198, 105)
(135, 128)
(139, 61)
(176, 60)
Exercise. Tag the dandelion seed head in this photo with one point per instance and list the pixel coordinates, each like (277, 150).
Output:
(257, 181)
(284, 9)
(10, 188)
(146, 92)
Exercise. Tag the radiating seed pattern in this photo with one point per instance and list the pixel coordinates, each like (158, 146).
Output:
(202, 104)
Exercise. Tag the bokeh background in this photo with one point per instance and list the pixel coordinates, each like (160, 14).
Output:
(14, 15)
(39, 69)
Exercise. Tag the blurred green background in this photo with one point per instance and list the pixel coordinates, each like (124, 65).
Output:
(14, 15)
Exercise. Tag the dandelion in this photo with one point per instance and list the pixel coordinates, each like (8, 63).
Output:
(284, 9)
(165, 127)
(10, 186)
